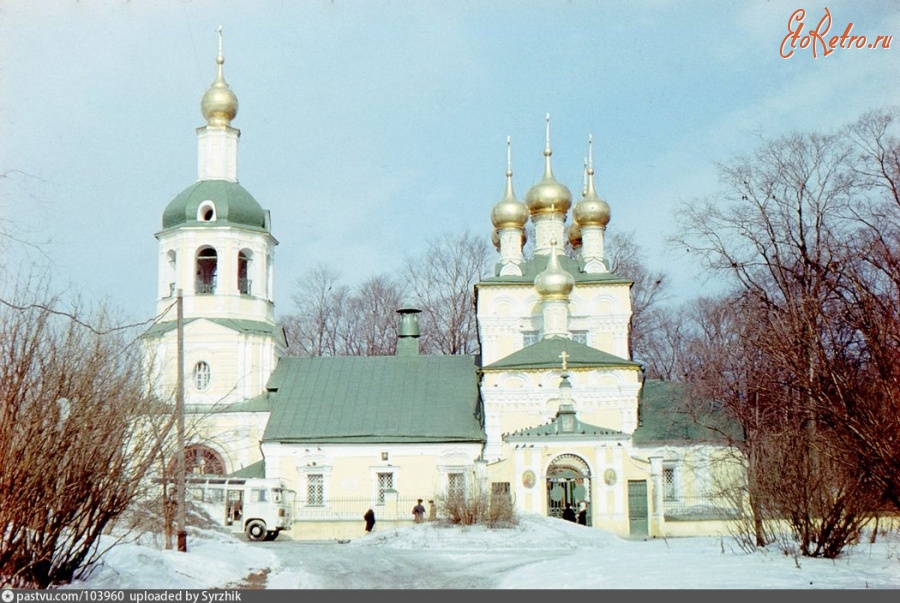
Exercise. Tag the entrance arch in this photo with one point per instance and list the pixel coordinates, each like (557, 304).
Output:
(568, 482)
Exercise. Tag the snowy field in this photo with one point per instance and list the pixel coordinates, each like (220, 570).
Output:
(539, 553)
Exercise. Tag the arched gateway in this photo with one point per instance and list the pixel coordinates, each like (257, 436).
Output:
(568, 482)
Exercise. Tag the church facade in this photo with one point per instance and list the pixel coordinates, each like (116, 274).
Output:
(553, 414)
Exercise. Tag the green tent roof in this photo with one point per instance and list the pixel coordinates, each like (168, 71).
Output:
(553, 430)
(665, 417)
(545, 354)
(375, 399)
(538, 264)
(234, 206)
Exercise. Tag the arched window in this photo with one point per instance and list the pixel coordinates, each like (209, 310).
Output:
(207, 267)
(206, 212)
(171, 271)
(200, 460)
(202, 375)
(244, 281)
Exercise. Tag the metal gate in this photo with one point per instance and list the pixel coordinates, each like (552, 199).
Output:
(638, 510)
(568, 483)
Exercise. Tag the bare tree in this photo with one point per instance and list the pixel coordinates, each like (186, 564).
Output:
(335, 320)
(647, 293)
(664, 336)
(443, 285)
(778, 232)
(320, 303)
(370, 320)
(73, 447)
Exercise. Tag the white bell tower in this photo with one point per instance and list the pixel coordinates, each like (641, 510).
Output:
(216, 246)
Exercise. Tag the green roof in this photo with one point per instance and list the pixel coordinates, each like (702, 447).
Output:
(260, 403)
(234, 206)
(257, 469)
(545, 354)
(235, 324)
(537, 264)
(375, 399)
(553, 430)
(665, 418)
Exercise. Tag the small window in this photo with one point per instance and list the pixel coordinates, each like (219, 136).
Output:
(385, 482)
(669, 484)
(580, 337)
(455, 485)
(201, 375)
(315, 489)
(206, 212)
(259, 495)
(530, 337)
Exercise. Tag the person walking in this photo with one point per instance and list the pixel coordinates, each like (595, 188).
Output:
(569, 513)
(370, 520)
(419, 512)
(582, 513)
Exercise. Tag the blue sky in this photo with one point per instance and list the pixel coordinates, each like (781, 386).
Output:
(369, 126)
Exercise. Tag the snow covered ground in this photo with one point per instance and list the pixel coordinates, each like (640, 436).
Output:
(539, 553)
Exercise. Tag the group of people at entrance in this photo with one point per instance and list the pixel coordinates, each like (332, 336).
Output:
(580, 517)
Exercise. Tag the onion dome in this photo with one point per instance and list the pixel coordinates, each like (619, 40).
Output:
(219, 105)
(573, 232)
(554, 282)
(591, 210)
(509, 212)
(548, 196)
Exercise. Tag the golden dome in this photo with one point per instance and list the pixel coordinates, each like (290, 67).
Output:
(509, 212)
(219, 104)
(554, 282)
(548, 196)
(574, 233)
(591, 210)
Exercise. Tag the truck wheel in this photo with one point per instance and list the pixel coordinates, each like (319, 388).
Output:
(256, 530)
(272, 535)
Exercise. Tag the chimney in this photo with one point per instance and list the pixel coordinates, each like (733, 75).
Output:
(408, 333)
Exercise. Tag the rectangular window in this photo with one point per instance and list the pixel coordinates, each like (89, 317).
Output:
(530, 337)
(385, 482)
(258, 495)
(670, 486)
(455, 485)
(315, 489)
(580, 337)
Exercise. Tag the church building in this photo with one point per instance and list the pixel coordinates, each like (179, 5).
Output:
(553, 413)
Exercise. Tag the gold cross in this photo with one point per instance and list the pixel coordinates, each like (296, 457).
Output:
(564, 356)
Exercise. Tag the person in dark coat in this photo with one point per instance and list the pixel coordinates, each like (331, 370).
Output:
(370, 520)
(569, 513)
(419, 512)
(582, 513)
